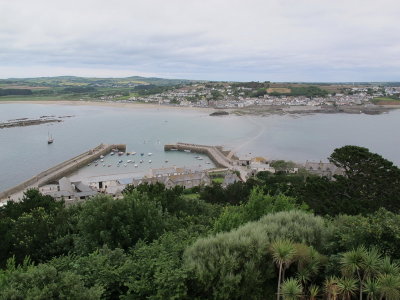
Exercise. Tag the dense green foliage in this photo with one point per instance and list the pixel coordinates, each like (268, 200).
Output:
(149, 89)
(6, 92)
(236, 265)
(79, 89)
(252, 84)
(369, 182)
(233, 194)
(267, 238)
(257, 206)
(307, 91)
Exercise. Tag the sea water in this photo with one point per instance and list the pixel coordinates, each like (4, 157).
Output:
(24, 151)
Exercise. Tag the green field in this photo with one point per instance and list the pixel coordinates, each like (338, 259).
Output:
(67, 97)
(386, 100)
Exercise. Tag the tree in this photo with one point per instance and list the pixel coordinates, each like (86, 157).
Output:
(282, 165)
(389, 286)
(27, 281)
(119, 223)
(313, 292)
(361, 262)
(31, 199)
(353, 231)
(346, 287)
(283, 253)
(258, 205)
(353, 262)
(309, 263)
(235, 265)
(37, 227)
(103, 267)
(368, 183)
(369, 179)
(291, 289)
(331, 288)
(371, 288)
(156, 270)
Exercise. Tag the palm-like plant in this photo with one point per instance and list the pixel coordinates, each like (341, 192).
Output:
(291, 289)
(283, 252)
(308, 262)
(331, 288)
(389, 286)
(353, 262)
(347, 287)
(389, 267)
(313, 292)
(371, 288)
(372, 262)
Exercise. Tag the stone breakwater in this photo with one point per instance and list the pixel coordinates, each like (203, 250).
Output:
(213, 152)
(27, 122)
(55, 173)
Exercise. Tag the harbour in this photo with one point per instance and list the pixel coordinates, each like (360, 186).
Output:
(54, 180)
(58, 182)
(24, 151)
(58, 171)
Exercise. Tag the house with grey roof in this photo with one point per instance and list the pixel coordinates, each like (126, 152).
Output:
(230, 178)
(323, 169)
(187, 180)
(68, 191)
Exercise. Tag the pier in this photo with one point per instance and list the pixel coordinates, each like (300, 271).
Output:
(57, 172)
(213, 152)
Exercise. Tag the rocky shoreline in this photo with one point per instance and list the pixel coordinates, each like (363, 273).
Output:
(21, 122)
(268, 110)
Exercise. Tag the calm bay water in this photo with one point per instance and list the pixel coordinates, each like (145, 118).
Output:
(24, 151)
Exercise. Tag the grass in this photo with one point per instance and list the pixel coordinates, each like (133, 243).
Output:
(193, 196)
(39, 97)
(218, 180)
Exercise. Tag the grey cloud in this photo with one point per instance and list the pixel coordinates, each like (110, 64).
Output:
(252, 40)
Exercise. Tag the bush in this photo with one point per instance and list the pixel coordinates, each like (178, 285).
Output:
(236, 265)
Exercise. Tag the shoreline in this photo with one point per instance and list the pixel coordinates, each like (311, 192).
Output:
(251, 110)
(109, 104)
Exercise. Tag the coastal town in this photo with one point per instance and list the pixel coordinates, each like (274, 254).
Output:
(236, 96)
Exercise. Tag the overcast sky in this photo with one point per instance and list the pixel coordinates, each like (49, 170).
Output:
(276, 40)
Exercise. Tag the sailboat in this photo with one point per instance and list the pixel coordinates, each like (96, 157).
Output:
(50, 139)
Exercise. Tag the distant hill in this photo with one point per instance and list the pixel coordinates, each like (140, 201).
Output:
(63, 81)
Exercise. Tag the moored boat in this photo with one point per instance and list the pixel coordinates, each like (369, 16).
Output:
(50, 139)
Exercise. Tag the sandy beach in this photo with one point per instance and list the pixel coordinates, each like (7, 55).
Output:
(112, 104)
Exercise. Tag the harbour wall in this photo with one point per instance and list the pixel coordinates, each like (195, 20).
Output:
(63, 169)
(212, 152)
